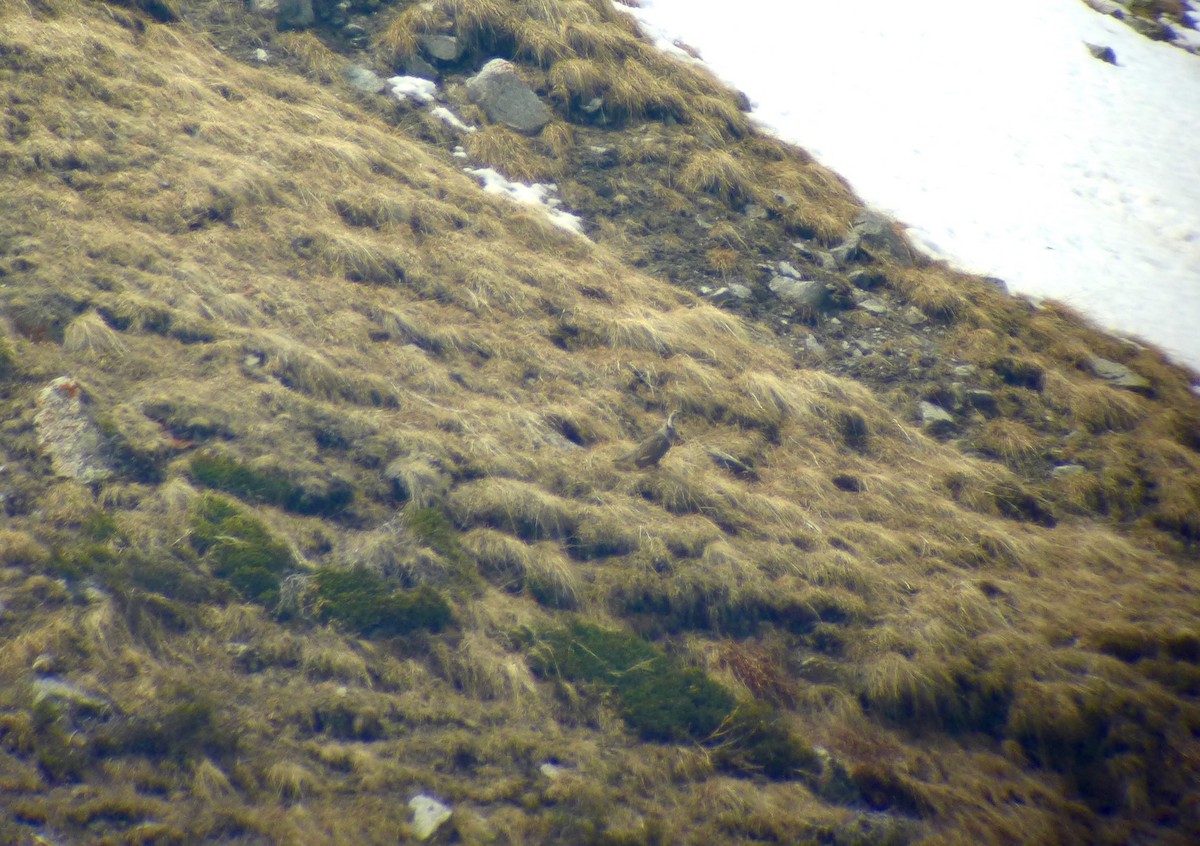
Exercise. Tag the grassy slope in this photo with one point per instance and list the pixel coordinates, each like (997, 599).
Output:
(239, 264)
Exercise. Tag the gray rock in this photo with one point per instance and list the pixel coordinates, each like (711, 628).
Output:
(997, 283)
(1063, 471)
(754, 211)
(877, 235)
(1120, 376)
(787, 269)
(913, 316)
(846, 253)
(798, 292)
(364, 80)
(1106, 7)
(874, 305)
(67, 432)
(295, 14)
(813, 345)
(934, 419)
(441, 48)
(64, 694)
(264, 7)
(818, 257)
(964, 371)
(727, 293)
(428, 815)
(506, 98)
(416, 66)
(981, 400)
(1101, 52)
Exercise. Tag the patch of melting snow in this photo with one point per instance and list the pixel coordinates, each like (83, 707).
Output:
(413, 88)
(447, 116)
(537, 194)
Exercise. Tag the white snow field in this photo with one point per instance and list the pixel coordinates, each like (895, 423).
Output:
(992, 133)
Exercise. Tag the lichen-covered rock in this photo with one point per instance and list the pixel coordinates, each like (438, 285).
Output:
(428, 815)
(877, 236)
(441, 48)
(67, 432)
(935, 420)
(506, 99)
(798, 292)
(364, 79)
(1120, 376)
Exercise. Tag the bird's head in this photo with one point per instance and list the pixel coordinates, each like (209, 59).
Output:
(669, 428)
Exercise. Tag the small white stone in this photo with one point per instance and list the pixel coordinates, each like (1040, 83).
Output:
(262, 55)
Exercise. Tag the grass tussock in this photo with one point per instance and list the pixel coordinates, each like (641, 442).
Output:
(363, 420)
(718, 172)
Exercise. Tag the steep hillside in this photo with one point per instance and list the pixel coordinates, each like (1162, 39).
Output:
(309, 467)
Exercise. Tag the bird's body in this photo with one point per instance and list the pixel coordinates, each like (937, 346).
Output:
(650, 451)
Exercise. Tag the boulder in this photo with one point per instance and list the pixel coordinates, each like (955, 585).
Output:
(935, 420)
(798, 292)
(981, 400)
(787, 269)
(428, 815)
(875, 306)
(418, 67)
(878, 236)
(1120, 376)
(364, 80)
(441, 48)
(506, 99)
(69, 435)
(294, 14)
(1101, 52)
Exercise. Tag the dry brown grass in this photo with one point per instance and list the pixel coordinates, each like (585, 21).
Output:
(372, 315)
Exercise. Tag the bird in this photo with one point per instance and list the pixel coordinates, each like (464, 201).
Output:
(650, 451)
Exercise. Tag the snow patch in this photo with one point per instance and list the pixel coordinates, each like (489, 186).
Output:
(538, 194)
(451, 119)
(997, 138)
(413, 88)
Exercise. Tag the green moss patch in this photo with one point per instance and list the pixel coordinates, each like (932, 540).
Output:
(365, 603)
(665, 702)
(240, 549)
(270, 487)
